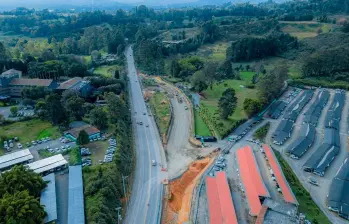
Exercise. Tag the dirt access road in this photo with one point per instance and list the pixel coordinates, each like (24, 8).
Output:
(179, 152)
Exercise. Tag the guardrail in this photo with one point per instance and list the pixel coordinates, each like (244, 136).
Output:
(158, 220)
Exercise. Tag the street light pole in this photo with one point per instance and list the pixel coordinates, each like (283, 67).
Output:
(123, 184)
(118, 210)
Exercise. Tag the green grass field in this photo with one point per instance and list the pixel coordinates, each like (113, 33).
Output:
(306, 205)
(161, 109)
(212, 96)
(215, 51)
(305, 29)
(30, 130)
(200, 126)
(106, 70)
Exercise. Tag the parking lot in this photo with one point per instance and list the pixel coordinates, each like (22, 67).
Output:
(318, 193)
(22, 112)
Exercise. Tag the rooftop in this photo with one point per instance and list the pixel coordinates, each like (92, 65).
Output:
(90, 130)
(10, 73)
(15, 158)
(76, 213)
(48, 198)
(280, 178)
(31, 82)
(69, 83)
(221, 206)
(251, 179)
(47, 164)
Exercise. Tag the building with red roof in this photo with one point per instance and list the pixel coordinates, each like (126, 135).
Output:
(279, 176)
(251, 179)
(220, 203)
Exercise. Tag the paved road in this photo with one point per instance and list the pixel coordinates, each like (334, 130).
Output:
(144, 204)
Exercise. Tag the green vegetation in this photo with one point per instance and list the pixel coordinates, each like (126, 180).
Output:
(262, 132)
(74, 156)
(216, 51)
(200, 126)
(209, 104)
(20, 196)
(160, 106)
(103, 192)
(305, 29)
(106, 70)
(306, 205)
(83, 138)
(29, 130)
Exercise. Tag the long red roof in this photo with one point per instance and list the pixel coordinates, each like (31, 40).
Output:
(220, 202)
(251, 179)
(280, 178)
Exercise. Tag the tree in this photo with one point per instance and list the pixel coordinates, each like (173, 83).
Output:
(95, 55)
(251, 106)
(83, 138)
(19, 179)
(210, 72)
(99, 117)
(51, 109)
(198, 81)
(21, 207)
(14, 111)
(48, 55)
(73, 105)
(3, 55)
(227, 103)
(270, 84)
(225, 70)
(117, 74)
(2, 119)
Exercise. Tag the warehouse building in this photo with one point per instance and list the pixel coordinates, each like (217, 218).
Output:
(322, 158)
(76, 214)
(251, 180)
(48, 165)
(48, 198)
(276, 109)
(303, 142)
(334, 113)
(313, 114)
(338, 195)
(20, 157)
(282, 132)
(220, 205)
(93, 132)
(296, 108)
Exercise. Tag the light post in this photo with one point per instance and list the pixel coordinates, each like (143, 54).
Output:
(119, 216)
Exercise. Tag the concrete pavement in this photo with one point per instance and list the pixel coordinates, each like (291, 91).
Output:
(145, 203)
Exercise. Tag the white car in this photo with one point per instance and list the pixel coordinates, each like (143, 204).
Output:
(153, 163)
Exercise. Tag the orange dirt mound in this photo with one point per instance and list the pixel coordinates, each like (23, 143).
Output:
(181, 189)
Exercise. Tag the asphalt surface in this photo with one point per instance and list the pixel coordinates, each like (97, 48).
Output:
(146, 198)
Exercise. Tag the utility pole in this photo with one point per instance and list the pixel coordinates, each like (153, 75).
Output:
(123, 184)
(119, 217)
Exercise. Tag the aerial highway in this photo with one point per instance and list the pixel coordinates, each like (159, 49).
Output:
(146, 197)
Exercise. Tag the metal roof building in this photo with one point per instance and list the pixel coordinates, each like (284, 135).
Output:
(49, 164)
(321, 159)
(251, 179)
(276, 109)
(297, 107)
(76, 213)
(303, 142)
(279, 175)
(220, 204)
(338, 195)
(283, 132)
(48, 198)
(334, 113)
(19, 157)
(313, 113)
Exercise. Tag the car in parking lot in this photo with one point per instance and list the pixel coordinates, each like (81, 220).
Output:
(19, 145)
